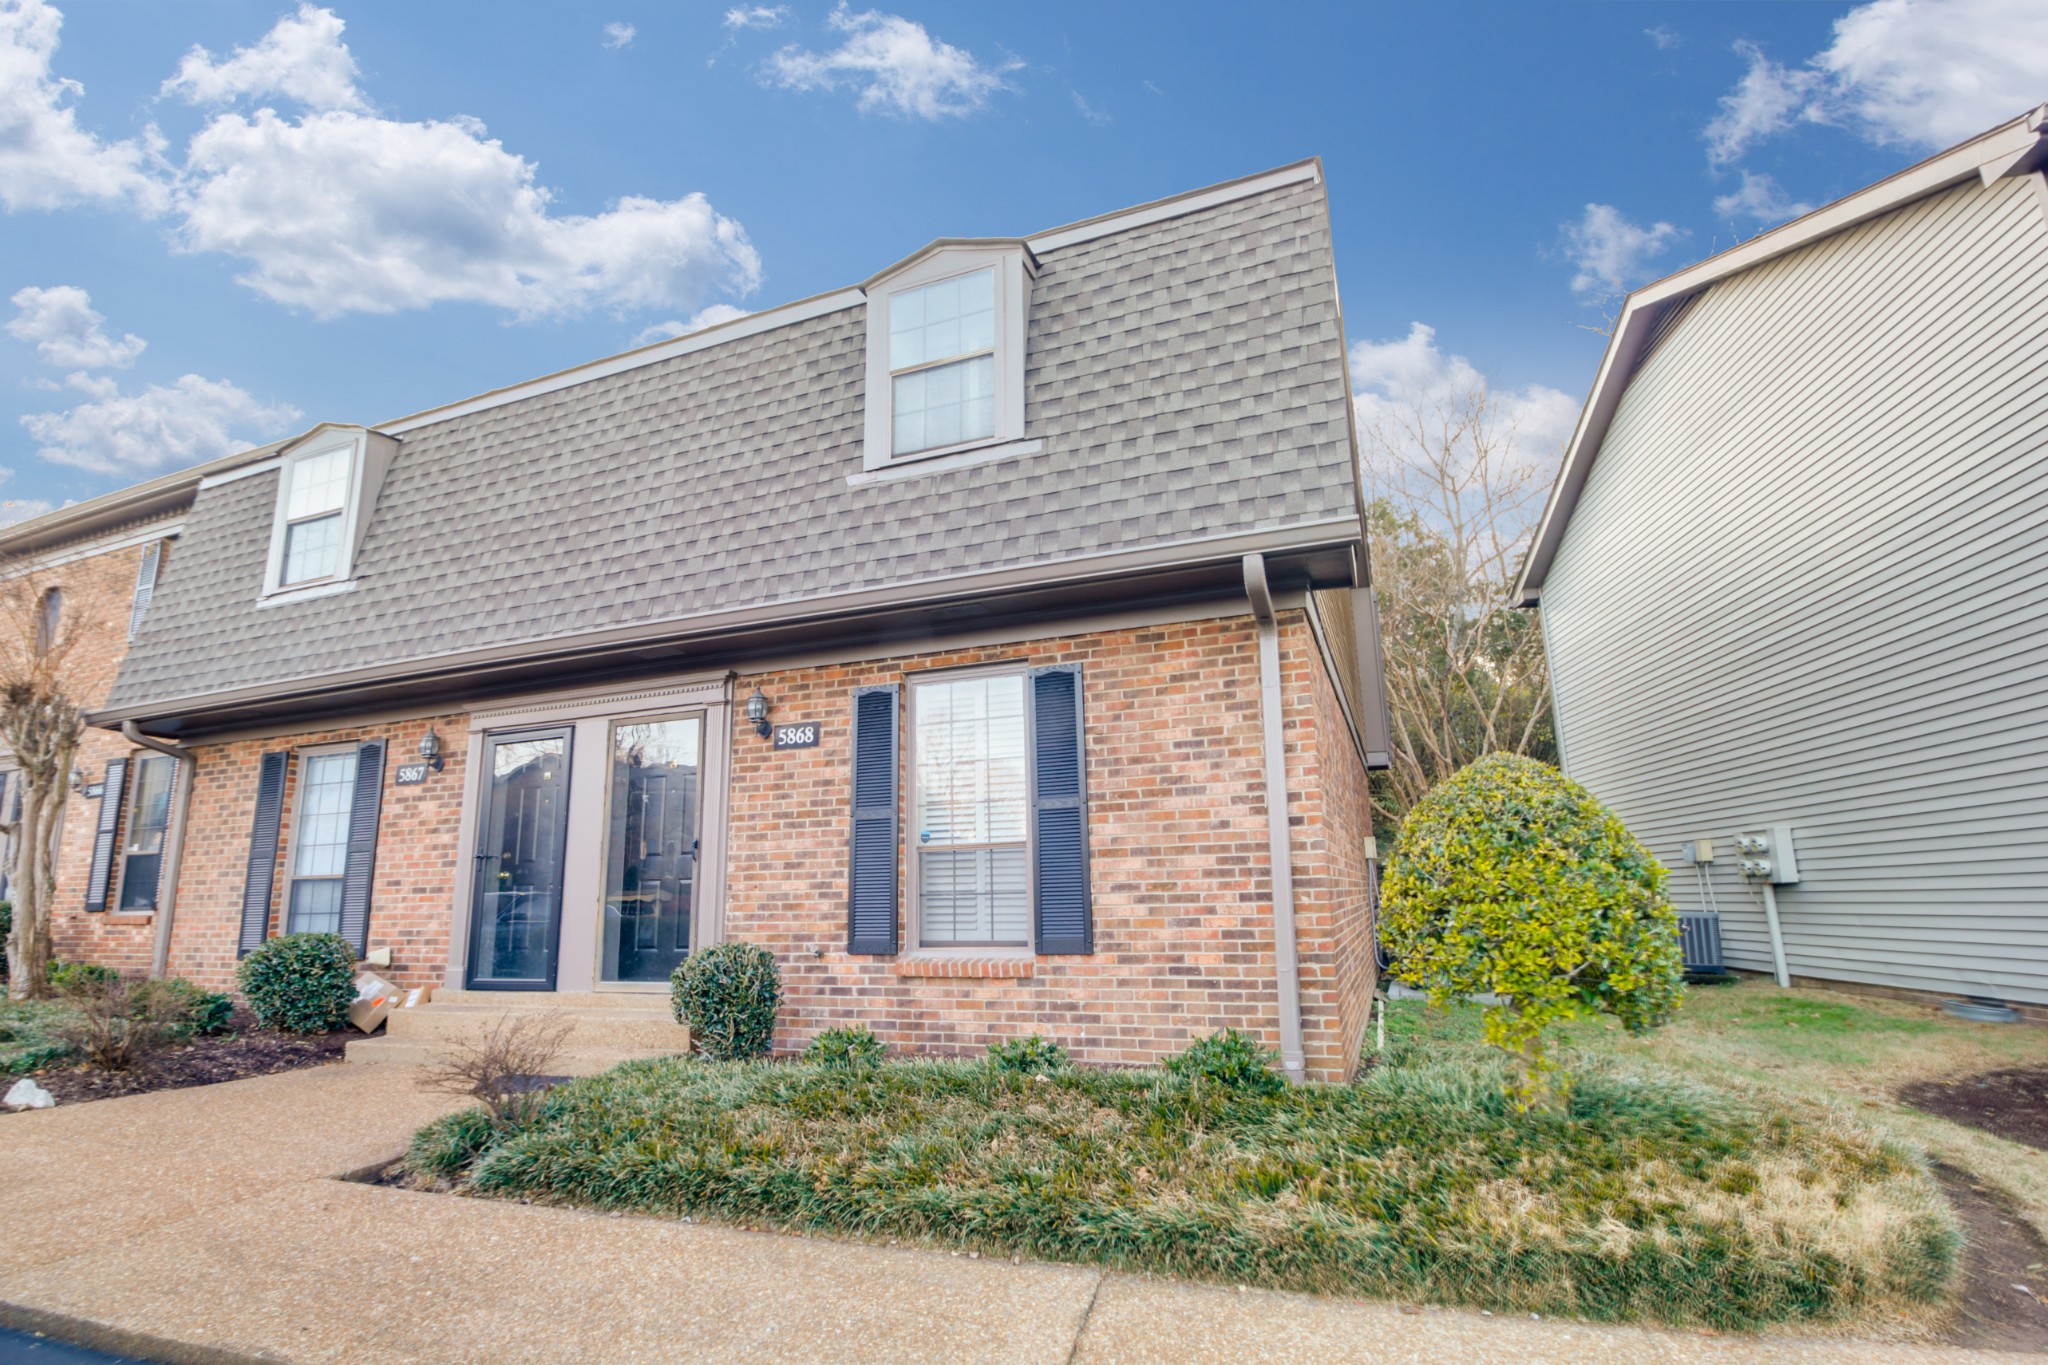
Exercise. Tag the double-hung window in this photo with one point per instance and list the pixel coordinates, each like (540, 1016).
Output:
(319, 845)
(315, 508)
(150, 778)
(946, 354)
(971, 793)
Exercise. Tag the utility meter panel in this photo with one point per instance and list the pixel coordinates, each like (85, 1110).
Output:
(1769, 855)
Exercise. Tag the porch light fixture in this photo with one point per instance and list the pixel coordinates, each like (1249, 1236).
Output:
(757, 712)
(430, 750)
(77, 778)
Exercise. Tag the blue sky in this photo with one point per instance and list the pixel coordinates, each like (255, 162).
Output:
(222, 223)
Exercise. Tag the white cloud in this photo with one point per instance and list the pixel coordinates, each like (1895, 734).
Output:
(1663, 37)
(46, 160)
(757, 16)
(65, 330)
(1759, 198)
(1392, 377)
(617, 36)
(164, 426)
(897, 66)
(1089, 111)
(302, 58)
(674, 327)
(1610, 252)
(1767, 100)
(1912, 73)
(13, 510)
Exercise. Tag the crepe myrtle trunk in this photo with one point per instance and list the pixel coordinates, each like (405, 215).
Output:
(43, 730)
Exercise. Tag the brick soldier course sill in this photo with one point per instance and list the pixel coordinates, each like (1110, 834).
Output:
(984, 968)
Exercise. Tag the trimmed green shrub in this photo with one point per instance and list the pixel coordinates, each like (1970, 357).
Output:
(66, 977)
(846, 1047)
(1231, 1060)
(300, 983)
(1032, 1055)
(728, 995)
(1512, 879)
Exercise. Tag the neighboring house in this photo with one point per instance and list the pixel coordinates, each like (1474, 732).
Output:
(1038, 562)
(1793, 575)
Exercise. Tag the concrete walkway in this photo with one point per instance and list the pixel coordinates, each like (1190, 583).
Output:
(205, 1225)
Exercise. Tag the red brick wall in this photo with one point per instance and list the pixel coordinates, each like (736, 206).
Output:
(412, 895)
(104, 587)
(1178, 848)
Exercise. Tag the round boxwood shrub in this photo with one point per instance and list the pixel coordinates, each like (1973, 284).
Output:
(852, 1049)
(300, 983)
(1232, 1060)
(1510, 878)
(728, 995)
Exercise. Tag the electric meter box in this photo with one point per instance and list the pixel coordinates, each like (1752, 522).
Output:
(1775, 847)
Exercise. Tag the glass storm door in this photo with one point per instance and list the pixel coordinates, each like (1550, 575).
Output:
(650, 875)
(516, 907)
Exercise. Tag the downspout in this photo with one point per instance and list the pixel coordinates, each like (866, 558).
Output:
(174, 840)
(1286, 961)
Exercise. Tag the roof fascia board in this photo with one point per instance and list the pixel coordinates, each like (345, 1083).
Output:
(1299, 537)
(941, 244)
(1179, 205)
(2011, 144)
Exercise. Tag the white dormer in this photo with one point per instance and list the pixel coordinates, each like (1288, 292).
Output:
(327, 482)
(945, 352)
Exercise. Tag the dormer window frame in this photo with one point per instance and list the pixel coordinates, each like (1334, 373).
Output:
(1013, 269)
(368, 454)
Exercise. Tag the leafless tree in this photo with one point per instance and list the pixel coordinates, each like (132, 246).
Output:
(47, 675)
(1454, 502)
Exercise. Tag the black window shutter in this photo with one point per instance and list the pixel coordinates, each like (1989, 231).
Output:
(1061, 913)
(113, 792)
(262, 852)
(145, 585)
(362, 845)
(871, 886)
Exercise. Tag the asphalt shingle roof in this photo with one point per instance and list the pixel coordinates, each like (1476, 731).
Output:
(1187, 378)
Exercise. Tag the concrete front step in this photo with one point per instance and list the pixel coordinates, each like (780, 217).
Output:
(427, 1052)
(625, 1030)
(657, 1001)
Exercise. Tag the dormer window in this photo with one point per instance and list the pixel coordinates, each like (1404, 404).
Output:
(946, 353)
(326, 486)
(315, 499)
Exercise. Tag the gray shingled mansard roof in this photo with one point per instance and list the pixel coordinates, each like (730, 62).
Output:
(1186, 378)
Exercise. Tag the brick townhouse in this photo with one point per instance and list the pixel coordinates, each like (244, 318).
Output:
(990, 640)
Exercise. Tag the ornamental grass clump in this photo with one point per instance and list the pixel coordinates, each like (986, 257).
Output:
(851, 1048)
(1512, 879)
(1644, 1197)
(1032, 1055)
(728, 995)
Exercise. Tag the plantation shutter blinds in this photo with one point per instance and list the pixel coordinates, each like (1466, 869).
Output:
(1063, 917)
(145, 585)
(362, 845)
(256, 888)
(871, 885)
(113, 792)
(150, 815)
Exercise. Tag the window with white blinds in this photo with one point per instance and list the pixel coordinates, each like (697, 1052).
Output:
(972, 811)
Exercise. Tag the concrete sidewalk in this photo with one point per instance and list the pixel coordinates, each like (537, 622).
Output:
(205, 1225)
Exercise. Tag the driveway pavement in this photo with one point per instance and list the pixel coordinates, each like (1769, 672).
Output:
(206, 1225)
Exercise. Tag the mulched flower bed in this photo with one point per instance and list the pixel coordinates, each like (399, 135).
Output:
(2012, 1104)
(247, 1051)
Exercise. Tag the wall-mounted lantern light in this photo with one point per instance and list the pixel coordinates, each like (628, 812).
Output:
(430, 750)
(757, 712)
(77, 779)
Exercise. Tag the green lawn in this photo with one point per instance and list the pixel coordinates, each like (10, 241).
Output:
(1651, 1198)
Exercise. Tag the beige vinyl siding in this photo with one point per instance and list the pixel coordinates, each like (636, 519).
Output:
(1807, 583)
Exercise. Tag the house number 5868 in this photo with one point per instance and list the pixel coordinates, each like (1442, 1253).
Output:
(803, 735)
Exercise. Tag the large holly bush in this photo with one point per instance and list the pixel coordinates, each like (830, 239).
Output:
(1512, 879)
(300, 983)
